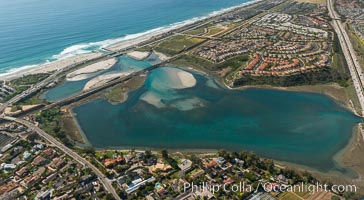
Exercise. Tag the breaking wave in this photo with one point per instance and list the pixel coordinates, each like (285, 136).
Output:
(85, 48)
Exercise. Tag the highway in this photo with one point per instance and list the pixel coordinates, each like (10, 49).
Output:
(45, 82)
(69, 152)
(161, 37)
(356, 71)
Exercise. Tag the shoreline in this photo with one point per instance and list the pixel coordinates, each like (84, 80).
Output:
(120, 43)
(308, 89)
(89, 70)
(47, 67)
(337, 158)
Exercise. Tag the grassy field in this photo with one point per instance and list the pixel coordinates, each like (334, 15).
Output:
(188, 60)
(176, 44)
(197, 31)
(358, 45)
(213, 30)
(70, 127)
(116, 94)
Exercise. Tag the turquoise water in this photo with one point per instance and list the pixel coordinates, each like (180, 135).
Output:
(303, 128)
(69, 88)
(36, 31)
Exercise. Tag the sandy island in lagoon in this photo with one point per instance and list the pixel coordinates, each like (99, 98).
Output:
(177, 79)
(102, 79)
(357, 147)
(86, 72)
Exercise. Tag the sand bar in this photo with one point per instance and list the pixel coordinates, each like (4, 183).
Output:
(179, 79)
(87, 71)
(187, 79)
(138, 55)
(102, 79)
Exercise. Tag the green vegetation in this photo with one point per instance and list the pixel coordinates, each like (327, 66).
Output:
(213, 30)
(32, 100)
(235, 62)
(314, 77)
(188, 60)
(177, 44)
(24, 83)
(144, 48)
(49, 121)
(169, 159)
(197, 31)
(28, 80)
(358, 45)
(288, 196)
(338, 73)
(116, 94)
(198, 62)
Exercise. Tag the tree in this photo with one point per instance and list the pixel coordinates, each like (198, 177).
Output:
(164, 153)
(334, 197)
(109, 196)
(32, 137)
(148, 153)
(89, 150)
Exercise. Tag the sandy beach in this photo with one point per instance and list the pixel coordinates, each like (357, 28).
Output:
(132, 42)
(50, 67)
(87, 71)
(138, 55)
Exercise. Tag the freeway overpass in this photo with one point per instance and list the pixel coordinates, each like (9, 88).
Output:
(355, 69)
(95, 90)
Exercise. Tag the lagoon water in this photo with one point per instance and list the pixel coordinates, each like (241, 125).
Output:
(303, 128)
(36, 31)
(69, 88)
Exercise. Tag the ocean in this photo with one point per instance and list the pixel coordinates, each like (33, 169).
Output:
(303, 128)
(33, 32)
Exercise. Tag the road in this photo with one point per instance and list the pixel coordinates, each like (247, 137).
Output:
(356, 71)
(45, 82)
(104, 180)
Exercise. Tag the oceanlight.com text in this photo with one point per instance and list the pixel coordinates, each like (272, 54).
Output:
(267, 187)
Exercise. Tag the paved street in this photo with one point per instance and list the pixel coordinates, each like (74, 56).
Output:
(349, 53)
(68, 151)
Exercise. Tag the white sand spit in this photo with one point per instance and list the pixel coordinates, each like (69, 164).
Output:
(87, 71)
(102, 79)
(138, 55)
(187, 79)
